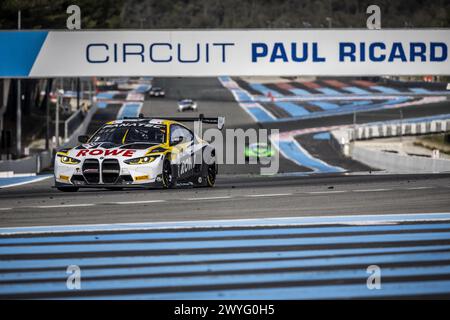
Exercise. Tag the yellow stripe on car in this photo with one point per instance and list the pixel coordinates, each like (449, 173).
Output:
(125, 136)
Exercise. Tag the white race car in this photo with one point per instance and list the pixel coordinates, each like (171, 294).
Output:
(156, 92)
(187, 104)
(138, 152)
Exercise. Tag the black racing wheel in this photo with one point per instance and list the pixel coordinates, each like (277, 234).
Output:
(167, 176)
(211, 175)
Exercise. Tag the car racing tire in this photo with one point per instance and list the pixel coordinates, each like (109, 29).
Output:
(211, 175)
(68, 189)
(167, 177)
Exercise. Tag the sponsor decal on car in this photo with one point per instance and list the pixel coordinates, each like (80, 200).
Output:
(106, 152)
(140, 178)
(62, 177)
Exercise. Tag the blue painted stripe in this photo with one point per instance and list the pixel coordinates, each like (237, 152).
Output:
(419, 90)
(293, 151)
(142, 88)
(324, 105)
(333, 109)
(397, 100)
(129, 110)
(322, 136)
(19, 51)
(215, 244)
(265, 90)
(358, 103)
(12, 181)
(102, 105)
(260, 114)
(305, 292)
(257, 112)
(292, 108)
(283, 221)
(241, 95)
(300, 92)
(106, 95)
(208, 280)
(385, 89)
(23, 265)
(338, 262)
(329, 91)
(185, 235)
(356, 90)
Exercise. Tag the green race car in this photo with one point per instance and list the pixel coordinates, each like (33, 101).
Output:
(258, 150)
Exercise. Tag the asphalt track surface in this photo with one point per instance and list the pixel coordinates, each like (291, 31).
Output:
(234, 197)
(413, 254)
(40, 204)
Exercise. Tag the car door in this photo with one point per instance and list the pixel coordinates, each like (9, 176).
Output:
(182, 151)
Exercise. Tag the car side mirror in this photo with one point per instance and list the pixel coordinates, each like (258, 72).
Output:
(220, 122)
(83, 139)
(176, 141)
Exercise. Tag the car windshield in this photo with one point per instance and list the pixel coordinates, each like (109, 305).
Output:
(130, 134)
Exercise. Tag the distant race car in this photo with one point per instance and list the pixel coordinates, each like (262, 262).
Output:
(156, 92)
(187, 104)
(138, 152)
(258, 150)
(104, 85)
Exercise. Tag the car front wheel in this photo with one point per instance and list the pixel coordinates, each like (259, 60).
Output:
(167, 176)
(211, 177)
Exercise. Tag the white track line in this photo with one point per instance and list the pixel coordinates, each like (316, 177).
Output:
(137, 202)
(326, 192)
(249, 223)
(269, 195)
(210, 198)
(372, 190)
(65, 206)
(419, 188)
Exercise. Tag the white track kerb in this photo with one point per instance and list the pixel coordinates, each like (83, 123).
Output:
(265, 222)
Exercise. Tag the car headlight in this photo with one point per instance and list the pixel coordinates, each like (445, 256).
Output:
(68, 160)
(141, 160)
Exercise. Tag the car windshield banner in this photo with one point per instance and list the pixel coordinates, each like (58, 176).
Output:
(339, 52)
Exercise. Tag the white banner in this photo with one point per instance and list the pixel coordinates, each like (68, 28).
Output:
(227, 52)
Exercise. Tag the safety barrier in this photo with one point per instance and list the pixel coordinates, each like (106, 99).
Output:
(72, 123)
(72, 139)
(43, 160)
(32, 164)
(398, 163)
(403, 128)
(394, 162)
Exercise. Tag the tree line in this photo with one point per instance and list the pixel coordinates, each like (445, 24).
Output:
(157, 14)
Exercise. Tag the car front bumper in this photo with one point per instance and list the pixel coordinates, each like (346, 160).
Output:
(97, 174)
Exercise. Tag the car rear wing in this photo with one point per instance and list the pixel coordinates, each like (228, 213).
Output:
(220, 121)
